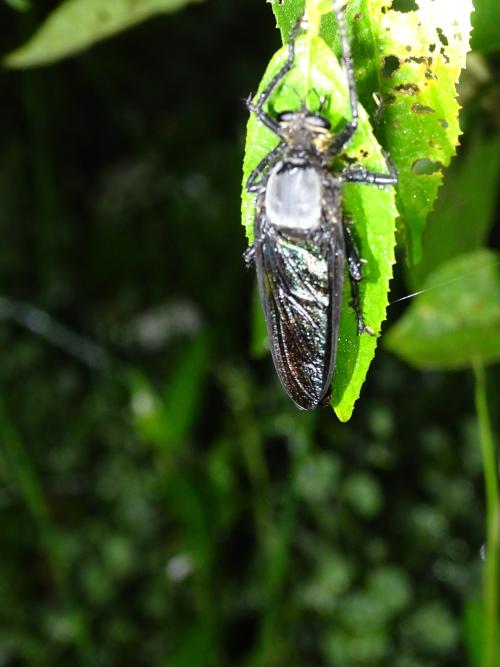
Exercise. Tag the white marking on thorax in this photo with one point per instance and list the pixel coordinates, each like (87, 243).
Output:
(293, 197)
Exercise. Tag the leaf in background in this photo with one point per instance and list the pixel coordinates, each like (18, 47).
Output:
(372, 210)
(259, 345)
(457, 320)
(20, 5)
(166, 420)
(465, 208)
(474, 619)
(77, 24)
(194, 646)
(486, 26)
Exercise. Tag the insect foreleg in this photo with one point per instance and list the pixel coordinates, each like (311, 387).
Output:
(258, 108)
(253, 183)
(352, 125)
(355, 269)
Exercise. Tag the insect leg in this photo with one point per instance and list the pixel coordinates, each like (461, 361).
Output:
(362, 175)
(354, 265)
(351, 126)
(249, 256)
(253, 184)
(258, 108)
(260, 233)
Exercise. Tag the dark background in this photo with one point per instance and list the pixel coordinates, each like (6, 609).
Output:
(161, 500)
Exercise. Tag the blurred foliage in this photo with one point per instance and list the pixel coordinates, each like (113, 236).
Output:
(453, 324)
(21, 5)
(169, 506)
(486, 36)
(77, 24)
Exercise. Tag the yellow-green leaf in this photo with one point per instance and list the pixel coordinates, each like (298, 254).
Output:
(407, 65)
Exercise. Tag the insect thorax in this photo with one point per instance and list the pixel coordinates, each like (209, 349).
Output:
(293, 196)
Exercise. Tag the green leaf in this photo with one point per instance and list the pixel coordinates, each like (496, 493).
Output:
(474, 621)
(286, 15)
(259, 345)
(77, 24)
(486, 27)
(468, 197)
(20, 5)
(457, 321)
(317, 73)
(411, 62)
(195, 645)
(166, 421)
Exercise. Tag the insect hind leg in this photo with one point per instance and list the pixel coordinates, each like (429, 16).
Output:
(249, 256)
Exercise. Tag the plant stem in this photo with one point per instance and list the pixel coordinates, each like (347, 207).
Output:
(490, 582)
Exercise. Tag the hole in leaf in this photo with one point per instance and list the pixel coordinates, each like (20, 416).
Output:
(425, 167)
(408, 88)
(417, 59)
(442, 37)
(404, 5)
(421, 108)
(391, 64)
(444, 123)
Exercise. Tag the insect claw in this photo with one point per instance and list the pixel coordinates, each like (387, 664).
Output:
(248, 103)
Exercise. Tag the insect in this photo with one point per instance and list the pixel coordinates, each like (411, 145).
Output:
(301, 240)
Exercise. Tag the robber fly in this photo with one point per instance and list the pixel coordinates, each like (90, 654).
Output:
(301, 242)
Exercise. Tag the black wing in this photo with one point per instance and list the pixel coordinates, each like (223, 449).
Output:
(300, 284)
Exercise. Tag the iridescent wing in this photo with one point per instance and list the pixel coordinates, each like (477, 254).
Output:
(300, 284)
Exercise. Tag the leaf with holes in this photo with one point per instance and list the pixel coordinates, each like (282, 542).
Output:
(317, 74)
(407, 65)
(455, 322)
(77, 24)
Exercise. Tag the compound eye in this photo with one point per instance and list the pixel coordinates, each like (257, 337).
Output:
(318, 121)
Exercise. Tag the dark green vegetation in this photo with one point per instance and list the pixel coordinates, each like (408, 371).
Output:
(162, 503)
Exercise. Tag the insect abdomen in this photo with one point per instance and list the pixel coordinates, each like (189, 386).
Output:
(300, 283)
